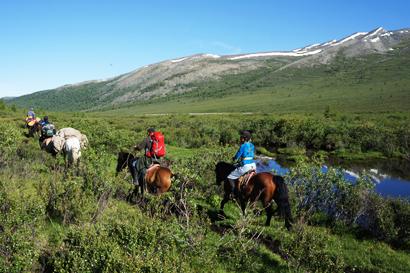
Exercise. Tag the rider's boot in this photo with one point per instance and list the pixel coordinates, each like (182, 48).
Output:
(233, 186)
(134, 173)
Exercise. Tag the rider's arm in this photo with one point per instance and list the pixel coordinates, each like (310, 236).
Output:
(143, 145)
(239, 153)
(140, 146)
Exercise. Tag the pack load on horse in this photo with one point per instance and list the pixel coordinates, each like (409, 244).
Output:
(53, 145)
(157, 178)
(264, 186)
(69, 132)
(67, 140)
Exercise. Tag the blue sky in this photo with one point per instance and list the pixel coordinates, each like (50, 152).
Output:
(46, 44)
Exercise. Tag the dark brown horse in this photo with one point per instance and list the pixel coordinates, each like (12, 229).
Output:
(157, 178)
(262, 186)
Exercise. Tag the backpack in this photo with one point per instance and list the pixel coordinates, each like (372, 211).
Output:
(158, 145)
(48, 130)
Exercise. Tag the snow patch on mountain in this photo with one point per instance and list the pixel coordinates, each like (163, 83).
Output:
(329, 43)
(375, 32)
(178, 60)
(351, 37)
(309, 47)
(212, 55)
(268, 54)
(375, 40)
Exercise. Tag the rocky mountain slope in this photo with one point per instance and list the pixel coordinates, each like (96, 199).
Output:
(179, 77)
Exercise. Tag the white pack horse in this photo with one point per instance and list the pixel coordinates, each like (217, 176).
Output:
(72, 151)
(70, 147)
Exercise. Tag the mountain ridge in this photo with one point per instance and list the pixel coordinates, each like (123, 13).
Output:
(179, 76)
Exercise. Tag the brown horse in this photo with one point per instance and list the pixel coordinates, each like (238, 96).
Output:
(262, 186)
(157, 178)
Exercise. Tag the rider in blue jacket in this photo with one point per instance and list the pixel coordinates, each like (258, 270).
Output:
(244, 156)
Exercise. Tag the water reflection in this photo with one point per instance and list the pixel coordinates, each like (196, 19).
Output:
(386, 184)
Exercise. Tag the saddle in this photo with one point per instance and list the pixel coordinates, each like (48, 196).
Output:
(244, 179)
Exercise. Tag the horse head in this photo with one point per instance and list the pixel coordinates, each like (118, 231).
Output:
(222, 170)
(123, 160)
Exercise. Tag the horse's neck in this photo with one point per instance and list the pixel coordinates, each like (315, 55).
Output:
(128, 158)
(226, 168)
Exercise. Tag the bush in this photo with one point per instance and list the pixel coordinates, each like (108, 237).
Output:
(312, 251)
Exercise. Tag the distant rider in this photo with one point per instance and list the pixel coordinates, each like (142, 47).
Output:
(31, 114)
(44, 121)
(244, 158)
(47, 129)
(142, 163)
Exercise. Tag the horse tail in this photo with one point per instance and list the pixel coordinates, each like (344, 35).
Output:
(282, 199)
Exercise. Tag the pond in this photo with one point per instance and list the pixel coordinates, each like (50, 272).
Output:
(391, 177)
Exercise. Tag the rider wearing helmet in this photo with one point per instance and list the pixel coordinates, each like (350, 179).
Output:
(244, 158)
(30, 113)
(44, 121)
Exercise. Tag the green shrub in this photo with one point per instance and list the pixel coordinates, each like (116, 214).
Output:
(313, 251)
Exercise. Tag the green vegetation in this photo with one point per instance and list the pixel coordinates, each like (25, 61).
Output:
(58, 220)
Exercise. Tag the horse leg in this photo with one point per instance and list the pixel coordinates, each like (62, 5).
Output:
(286, 213)
(133, 172)
(142, 186)
(30, 131)
(223, 202)
(129, 195)
(269, 213)
(243, 203)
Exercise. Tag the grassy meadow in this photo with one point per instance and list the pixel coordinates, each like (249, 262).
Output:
(58, 220)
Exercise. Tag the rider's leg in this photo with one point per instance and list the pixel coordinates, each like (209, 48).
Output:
(141, 167)
(233, 186)
(134, 171)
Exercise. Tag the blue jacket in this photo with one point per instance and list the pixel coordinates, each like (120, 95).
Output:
(43, 123)
(245, 153)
